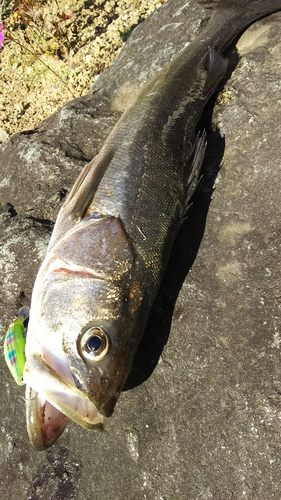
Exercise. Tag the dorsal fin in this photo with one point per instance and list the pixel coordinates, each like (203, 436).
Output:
(217, 66)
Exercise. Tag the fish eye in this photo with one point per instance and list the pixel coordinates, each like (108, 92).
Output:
(94, 344)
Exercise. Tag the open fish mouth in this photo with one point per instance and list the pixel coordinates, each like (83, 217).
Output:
(51, 400)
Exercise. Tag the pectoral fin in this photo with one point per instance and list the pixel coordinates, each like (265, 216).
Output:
(86, 185)
(81, 194)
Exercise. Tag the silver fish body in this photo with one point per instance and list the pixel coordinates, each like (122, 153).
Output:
(114, 234)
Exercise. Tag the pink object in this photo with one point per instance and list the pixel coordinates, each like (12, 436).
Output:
(2, 36)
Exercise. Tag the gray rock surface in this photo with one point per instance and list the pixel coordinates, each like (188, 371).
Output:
(202, 420)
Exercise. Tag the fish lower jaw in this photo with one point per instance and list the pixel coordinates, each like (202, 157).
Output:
(50, 401)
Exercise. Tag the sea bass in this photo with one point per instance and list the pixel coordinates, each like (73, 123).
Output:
(114, 234)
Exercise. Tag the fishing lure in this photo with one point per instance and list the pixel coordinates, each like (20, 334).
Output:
(14, 345)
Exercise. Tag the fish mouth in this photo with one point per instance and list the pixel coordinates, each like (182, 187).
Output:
(51, 400)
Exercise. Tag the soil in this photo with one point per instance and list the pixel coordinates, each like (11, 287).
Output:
(54, 50)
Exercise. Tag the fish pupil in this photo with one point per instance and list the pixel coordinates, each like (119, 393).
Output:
(94, 343)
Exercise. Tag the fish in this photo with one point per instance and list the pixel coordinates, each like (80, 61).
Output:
(114, 234)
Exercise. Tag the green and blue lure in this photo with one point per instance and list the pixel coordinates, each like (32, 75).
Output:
(14, 345)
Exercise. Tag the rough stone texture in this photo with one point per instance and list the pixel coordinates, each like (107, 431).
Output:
(202, 420)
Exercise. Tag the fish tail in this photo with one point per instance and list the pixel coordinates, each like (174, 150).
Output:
(231, 17)
(250, 4)
(251, 8)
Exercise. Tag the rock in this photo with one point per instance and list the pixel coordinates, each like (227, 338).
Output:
(205, 421)
(3, 136)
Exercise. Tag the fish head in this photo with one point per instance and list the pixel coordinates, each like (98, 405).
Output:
(83, 332)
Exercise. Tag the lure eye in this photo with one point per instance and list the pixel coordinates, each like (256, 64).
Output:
(94, 344)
